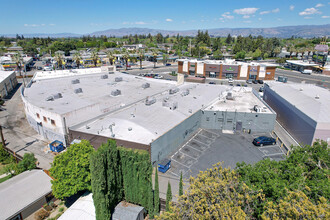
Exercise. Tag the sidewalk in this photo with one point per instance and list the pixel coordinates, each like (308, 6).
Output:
(284, 136)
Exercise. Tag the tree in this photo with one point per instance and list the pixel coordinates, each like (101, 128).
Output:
(240, 55)
(94, 57)
(296, 205)
(256, 54)
(292, 50)
(156, 194)
(168, 197)
(215, 194)
(154, 57)
(228, 39)
(126, 57)
(305, 166)
(141, 57)
(17, 58)
(181, 185)
(77, 58)
(110, 56)
(59, 60)
(71, 171)
(165, 57)
(28, 163)
(277, 51)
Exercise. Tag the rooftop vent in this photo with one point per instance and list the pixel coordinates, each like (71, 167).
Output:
(172, 91)
(129, 129)
(116, 92)
(79, 90)
(118, 79)
(145, 85)
(104, 77)
(301, 89)
(75, 81)
(230, 96)
(317, 97)
(171, 105)
(150, 101)
(257, 108)
(185, 92)
(50, 98)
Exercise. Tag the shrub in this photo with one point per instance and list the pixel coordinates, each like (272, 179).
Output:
(61, 209)
(41, 214)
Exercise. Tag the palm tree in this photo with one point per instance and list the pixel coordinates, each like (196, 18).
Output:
(110, 56)
(126, 57)
(292, 50)
(59, 59)
(302, 51)
(165, 57)
(17, 58)
(94, 57)
(77, 58)
(141, 57)
(154, 56)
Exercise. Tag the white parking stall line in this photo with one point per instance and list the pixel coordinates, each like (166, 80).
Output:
(188, 155)
(206, 137)
(277, 154)
(180, 163)
(211, 132)
(208, 145)
(195, 148)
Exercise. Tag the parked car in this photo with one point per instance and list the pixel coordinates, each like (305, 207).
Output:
(245, 85)
(263, 140)
(261, 89)
(260, 81)
(212, 83)
(47, 68)
(158, 76)
(249, 81)
(239, 85)
(255, 81)
(309, 72)
(230, 80)
(168, 64)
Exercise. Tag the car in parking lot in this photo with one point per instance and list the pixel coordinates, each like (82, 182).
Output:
(168, 64)
(255, 81)
(263, 140)
(260, 81)
(230, 80)
(261, 89)
(239, 85)
(249, 81)
(212, 83)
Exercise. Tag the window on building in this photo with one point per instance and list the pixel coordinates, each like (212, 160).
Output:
(53, 122)
(38, 116)
(220, 119)
(45, 119)
(229, 120)
(207, 119)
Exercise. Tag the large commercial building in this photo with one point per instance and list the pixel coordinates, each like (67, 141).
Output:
(155, 115)
(302, 109)
(224, 69)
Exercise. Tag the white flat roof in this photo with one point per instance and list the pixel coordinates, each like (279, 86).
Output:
(301, 63)
(22, 190)
(303, 97)
(5, 74)
(244, 101)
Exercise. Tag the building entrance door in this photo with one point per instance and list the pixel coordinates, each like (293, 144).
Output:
(239, 126)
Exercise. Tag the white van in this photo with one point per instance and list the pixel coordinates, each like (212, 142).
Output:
(309, 72)
(47, 68)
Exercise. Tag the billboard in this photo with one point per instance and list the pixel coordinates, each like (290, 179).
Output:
(212, 67)
(229, 69)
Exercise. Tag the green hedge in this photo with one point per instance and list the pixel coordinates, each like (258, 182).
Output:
(119, 173)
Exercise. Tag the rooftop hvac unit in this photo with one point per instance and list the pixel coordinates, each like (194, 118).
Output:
(185, 92)
(145, 85)
(104, 77)
(150, 101)
(230, 96)
(116, 92)
(79, 90)
(173, 105)
(172, 91)
(257, 108)
(57, 96)
(118, 79)
(75, 81)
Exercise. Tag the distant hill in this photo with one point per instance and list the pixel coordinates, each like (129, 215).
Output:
(306, 31)
(282, 32)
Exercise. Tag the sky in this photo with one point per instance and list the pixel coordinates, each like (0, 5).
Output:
(85, 16)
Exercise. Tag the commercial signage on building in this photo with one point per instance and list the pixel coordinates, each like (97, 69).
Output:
(212, 68)
(229, 69)
(253, 70)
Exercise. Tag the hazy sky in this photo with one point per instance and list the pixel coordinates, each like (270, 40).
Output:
(86, 16)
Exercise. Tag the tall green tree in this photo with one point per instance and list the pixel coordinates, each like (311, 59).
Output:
(141, 57)
(59, 59)
(110, 56)
(71, 171)
(17, 58)
(77, 58)
(181, 185)
(156, 194)
(126, 58)
(154, 57)
(29, 162)
(168, 197)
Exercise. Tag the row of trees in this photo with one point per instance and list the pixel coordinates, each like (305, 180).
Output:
(295, 188)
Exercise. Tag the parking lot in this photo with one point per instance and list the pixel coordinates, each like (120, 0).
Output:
(208, 147)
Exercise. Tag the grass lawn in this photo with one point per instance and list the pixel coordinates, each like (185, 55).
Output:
(5, 178)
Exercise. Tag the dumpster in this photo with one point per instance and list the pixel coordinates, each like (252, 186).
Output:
(56, 146)
(164, 165)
